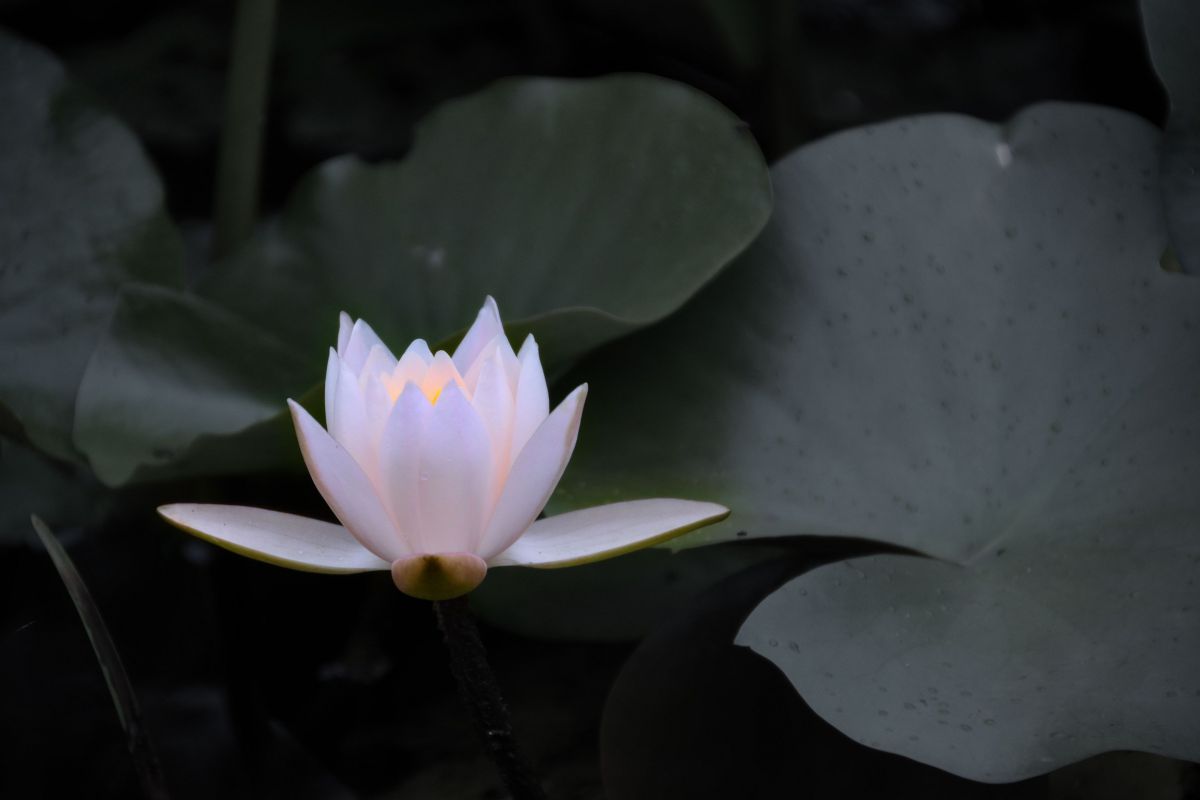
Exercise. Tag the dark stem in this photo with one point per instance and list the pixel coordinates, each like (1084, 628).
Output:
(479, 690)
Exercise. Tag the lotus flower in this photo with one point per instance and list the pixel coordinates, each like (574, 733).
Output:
(437, 467)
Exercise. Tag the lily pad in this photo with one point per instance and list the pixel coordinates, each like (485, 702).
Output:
(63, 494)
(81, 214)
(171, 365)
(927, 346)
(588, 208)
(1172, 30)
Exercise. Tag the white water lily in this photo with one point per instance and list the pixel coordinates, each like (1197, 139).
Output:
(437, 467)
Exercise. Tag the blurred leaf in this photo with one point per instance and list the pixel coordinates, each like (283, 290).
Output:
(81, 213)
(621, 599)
(588, 208)
(941, 319)
(119, 686)
(1172, 33)
(30, 483)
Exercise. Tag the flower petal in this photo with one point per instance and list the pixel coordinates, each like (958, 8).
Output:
(399, 463)
(346, 488)
(332, 370)
(455, 475)
(380, 361)
(487, 326)
(283, 539)
(345, 325)
(493, 401)
(441, 373)
(358, 345)
(533, 399)
(602, 532)
(534, 475)
(346, 420)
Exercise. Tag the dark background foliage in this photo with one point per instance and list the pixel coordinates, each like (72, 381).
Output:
(258, 682)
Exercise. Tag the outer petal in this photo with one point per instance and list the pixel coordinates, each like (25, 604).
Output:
(358, 345)
(534, 475)
(606, 531)
(487, 326)
(533, 399)
(283, 539)
(399, 461)
(332, 370)
(493, 401)
(346, 420)
(455, 475)
(346, 488)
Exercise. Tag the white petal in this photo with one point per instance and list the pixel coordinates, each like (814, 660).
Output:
(533, 399)
(346, 419)
(358, 346)
(493, 401)
(380, 361)
(399, 457)
(419, 348)
(534, 475)
(346, 488)
(332, 370)
(512, 367)
(283, 539)
(487, 326)
(606, 531)
(455, 475)
(345, 325)
(378, 404)
(441, 373)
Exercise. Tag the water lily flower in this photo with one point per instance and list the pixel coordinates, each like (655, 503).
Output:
(437, 467)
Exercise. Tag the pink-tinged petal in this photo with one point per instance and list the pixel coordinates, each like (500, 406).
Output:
(534, 475)
(592, 534)
(487, 326)
(441, 374)
(346, 488)
(399, 463)
(493, 401)
(455, 475)
(345, 325)
(533, 399)
(419, 349)
(358, 346)
(346, 420)
(274, 537)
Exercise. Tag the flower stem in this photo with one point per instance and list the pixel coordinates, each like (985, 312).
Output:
(479, 690)
(240, 160)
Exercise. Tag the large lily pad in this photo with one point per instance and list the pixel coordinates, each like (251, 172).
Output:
(926, 347)
(81, 213)
(1172, 31)
(587, 208)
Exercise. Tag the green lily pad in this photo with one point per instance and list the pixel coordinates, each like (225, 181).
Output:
(171, 365)
(81, 214)
(928, 343)
(1172, 31)
(587, 208)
